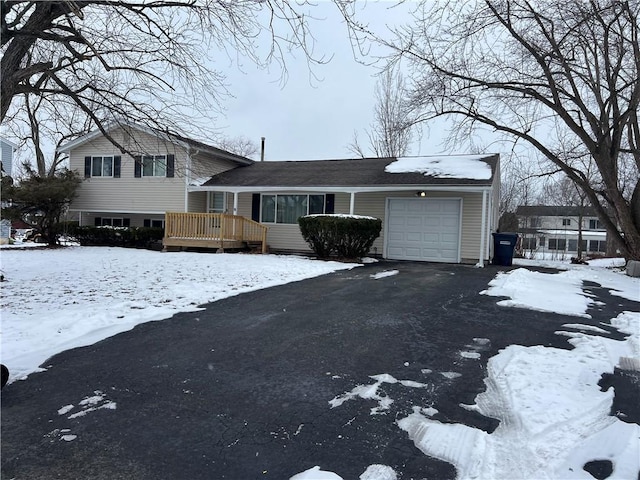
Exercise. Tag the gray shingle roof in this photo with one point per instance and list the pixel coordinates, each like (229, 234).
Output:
(334, 173)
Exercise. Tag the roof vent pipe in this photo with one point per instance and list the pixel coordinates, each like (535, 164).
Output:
(262, 149)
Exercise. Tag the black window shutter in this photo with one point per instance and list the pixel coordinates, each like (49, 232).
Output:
(137, 166)
(255, 207)
(329, 203)
(87, 167)
(116, 166)
(171, 165)
(126, 222)
(146, 222)
(97, 221)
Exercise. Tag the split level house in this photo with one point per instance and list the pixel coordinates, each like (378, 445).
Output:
(556, 229)
(439, 209)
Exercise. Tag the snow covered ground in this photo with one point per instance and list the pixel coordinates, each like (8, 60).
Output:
(55, 300)
(553, 416)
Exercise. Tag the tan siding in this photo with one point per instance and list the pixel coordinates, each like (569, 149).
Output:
(198, 202)
(204, 167)
(287, 237)
(146, 194)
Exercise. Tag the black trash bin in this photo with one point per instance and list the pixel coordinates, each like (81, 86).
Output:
(503, 246)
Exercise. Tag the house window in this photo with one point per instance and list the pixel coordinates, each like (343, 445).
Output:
(598, 246)
(288, 208)
(573, 245)
(534, 222)
(566, 222)
(557, 244)
(148, 222)
(154, 166)
(216, 202)
(529, 243)
(595, 224)
(102, 166)
(112, 222)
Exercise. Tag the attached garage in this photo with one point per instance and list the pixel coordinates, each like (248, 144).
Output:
(426, 229)
(439, 208)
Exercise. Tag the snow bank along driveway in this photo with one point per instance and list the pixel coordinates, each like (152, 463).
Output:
(554, 418)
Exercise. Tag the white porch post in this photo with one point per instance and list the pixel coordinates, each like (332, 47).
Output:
(352, 203)
(187, 180)
(235, 203)
(483, 234)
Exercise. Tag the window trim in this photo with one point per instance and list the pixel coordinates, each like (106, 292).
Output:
(155, 160)
(211, 209)
(89, 164)
(557, 243)
(566, 222)
(275, 207)
(124, 221)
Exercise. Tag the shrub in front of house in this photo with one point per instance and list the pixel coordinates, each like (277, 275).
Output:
(137, 237)
(345, 236)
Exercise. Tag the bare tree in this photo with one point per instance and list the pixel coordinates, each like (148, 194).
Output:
(392, 129)
(144, 62)
(539, 72)
(239, 145)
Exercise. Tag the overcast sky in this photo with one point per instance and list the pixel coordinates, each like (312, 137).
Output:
(315, 119)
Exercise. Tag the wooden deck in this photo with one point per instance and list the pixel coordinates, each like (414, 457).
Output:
(213, 230)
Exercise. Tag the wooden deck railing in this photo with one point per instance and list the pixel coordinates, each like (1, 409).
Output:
(214, 227)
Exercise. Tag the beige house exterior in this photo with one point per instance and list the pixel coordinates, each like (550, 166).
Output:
(118, 195)
(425, 216)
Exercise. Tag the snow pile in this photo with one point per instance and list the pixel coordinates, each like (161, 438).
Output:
(373, 472)
(454, 166)
(384, 274)
(553, 416)
(54, 300)
(559, 292)
(370, 392)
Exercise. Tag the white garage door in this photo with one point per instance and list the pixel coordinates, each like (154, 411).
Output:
(424, 229)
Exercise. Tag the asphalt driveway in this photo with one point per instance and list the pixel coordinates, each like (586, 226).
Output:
(241, 390)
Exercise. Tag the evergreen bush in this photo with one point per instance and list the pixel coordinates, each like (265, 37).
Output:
(347, 237)
(136, 237)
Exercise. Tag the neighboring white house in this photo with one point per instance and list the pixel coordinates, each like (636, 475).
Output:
(7, 149)
(555, 229)
(440, 208)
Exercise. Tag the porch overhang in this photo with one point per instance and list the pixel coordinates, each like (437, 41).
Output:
(341, 189)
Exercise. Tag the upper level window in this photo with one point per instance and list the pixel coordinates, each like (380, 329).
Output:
(288, 208)
(566, 222)
(102, 166)
(595, 224)
(154, 166)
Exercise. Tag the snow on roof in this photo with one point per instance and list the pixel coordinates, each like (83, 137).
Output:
(445, 166)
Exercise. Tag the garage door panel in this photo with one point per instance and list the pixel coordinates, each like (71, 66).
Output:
(424, 229)
(414, 221)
